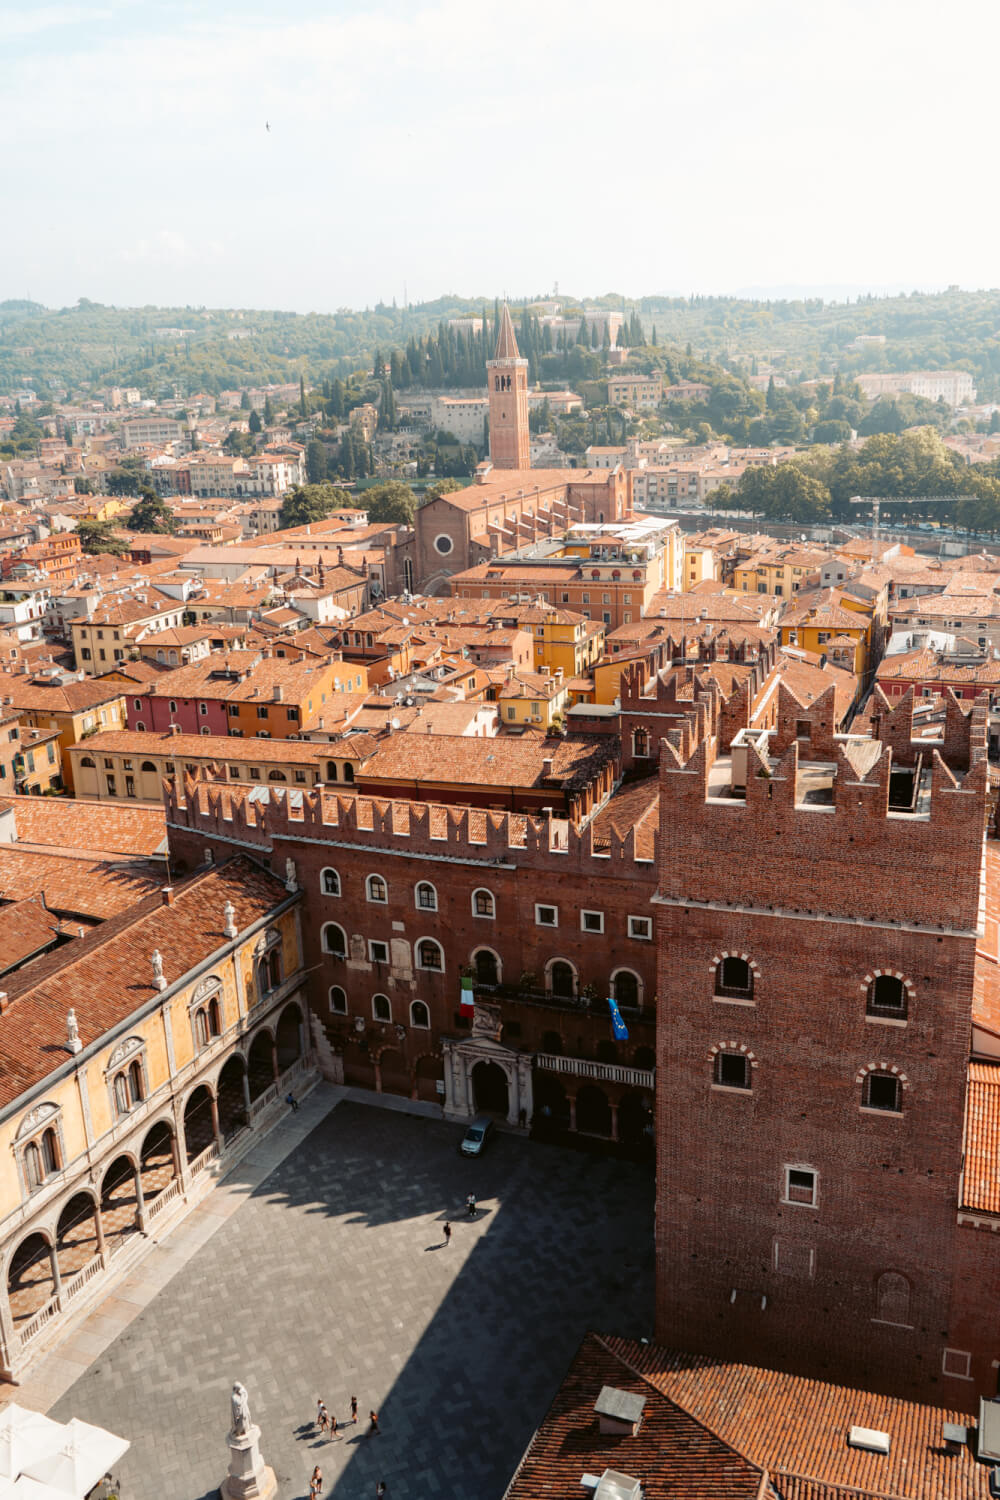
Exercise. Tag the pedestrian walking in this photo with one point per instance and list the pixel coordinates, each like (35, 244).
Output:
(333, 1428)
(470, 1205)
(315, 1483)
(322, 1416)
(374, 1427)
(447, 1234)
(380, 1489)
(354, 1409)
(291, 1099)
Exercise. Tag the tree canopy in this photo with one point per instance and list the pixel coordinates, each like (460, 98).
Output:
(151, 514)
(99, 536)
(391, 502)
(313, 502)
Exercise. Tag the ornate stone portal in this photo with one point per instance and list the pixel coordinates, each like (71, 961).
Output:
(248, 1477)
(462, 1057)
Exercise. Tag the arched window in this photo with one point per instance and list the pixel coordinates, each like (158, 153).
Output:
(50, 1152)
(331, 770)
(887, 997)
(731, 1070)
(348, 772)
(483, 904)
(427, 896)
(376, 889)
(88, 761)
(381, 1008)
(640, 743)
(276, 776)
(334, 939)
(214, 1017)
(892, 1299)
(420, 1015)
(882, 1091)
(33, 1165)
(562, 979)
(147, 765)
(734, 978)
(487, 968)
(201, 1028)
(338, 1000)
(122, 1101)
(430, 955)
(625, 987)
(135, 1081)
(274, 968)
(330, 882)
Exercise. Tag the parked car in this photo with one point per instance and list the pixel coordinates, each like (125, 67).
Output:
(476, 1138)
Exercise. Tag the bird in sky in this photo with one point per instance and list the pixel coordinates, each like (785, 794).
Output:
(267, 126)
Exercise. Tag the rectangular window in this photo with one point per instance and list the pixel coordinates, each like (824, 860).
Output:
(547, 916)
(732, 1071)
(641, 928)
(85, 652)
(957, 1363)
(803, 729)
(592, 921)
(378, 951)
(234, 773)
(511, 712)
(254, 774)
(800, 1186)
(261, 711)
(233, 710)
(203, 709)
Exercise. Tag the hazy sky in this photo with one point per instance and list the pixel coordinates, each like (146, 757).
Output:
(483, 146)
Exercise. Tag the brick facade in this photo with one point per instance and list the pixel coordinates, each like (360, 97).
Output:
(812, 882)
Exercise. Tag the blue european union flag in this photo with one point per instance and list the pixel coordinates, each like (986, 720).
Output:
(618, 1025)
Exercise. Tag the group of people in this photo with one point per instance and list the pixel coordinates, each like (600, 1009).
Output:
(470, 1213)
(327, 1423)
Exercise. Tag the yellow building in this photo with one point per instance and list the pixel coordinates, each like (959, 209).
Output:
(700, 564)
(823, 624)
(129, 1060)
(76, 710)
(563, 641)
(531, 699)
(781, 570)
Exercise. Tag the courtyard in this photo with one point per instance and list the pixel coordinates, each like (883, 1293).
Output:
(333, 1278)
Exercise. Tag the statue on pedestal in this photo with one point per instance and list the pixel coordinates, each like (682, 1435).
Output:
(249, 1478)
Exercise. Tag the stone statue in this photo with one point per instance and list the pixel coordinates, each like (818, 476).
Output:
(73, 1041)
(159, 983)
(290, 882)
(240, 1403)
(229, 918)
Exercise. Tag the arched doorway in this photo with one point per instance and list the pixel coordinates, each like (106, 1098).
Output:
(260, 1065)
(394, 1073)
(157, 1160)
(30, 1283)
(489, 1083)
(561, 978)
(76, 1235)
(551, 1104)
(486, 968)
(198, 1129)
(119, 1202)
(233, 1115)
(625, 987)
(288, 1038)
(429, 1070)
(593, 1112)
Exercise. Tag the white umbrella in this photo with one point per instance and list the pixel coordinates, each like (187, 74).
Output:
(26, 1436)
(84, 1456)
(32, 1489)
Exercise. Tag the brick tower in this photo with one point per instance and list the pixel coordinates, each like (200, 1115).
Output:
(819, 899)
(507, 383)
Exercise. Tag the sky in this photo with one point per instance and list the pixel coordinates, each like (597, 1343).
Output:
(491, 147)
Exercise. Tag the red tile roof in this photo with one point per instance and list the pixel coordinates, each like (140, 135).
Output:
(981, 1178)
(102, 828)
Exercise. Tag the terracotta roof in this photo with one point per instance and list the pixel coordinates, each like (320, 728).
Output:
(108, 975)
(219, 747)
(494, 762)
(46, 697)
(101, 827)
(797, 1428)
(26, 928)
(981, 1178)
(75, 885)
(506, 341)
(634, 806)
(673, 1454)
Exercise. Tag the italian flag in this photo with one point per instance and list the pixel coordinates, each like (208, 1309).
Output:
(467, 998)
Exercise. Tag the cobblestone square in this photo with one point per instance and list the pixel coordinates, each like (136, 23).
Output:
(333, 1279)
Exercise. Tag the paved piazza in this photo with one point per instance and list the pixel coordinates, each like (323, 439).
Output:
(332, 1279)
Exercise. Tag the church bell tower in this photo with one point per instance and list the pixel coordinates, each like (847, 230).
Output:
(507, 383)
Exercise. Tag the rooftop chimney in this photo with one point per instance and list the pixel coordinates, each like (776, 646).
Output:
(619, 1412)
(168, 895)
